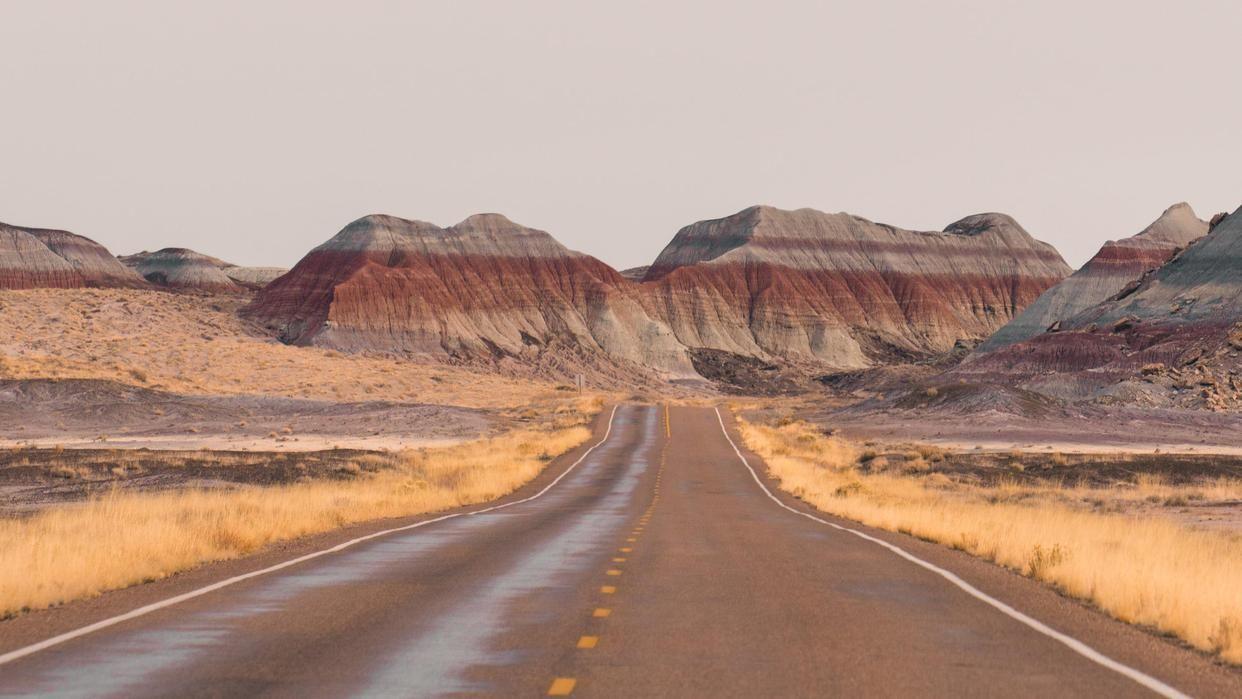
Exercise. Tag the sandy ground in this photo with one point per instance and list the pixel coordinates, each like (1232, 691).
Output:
(91, 414)
(1093, 431)
(198, 345)
(227, 442)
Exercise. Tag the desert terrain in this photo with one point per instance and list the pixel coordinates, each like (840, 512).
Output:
(477, 416)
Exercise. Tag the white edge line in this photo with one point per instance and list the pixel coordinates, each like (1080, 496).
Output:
(1074, 644)
(163, 604)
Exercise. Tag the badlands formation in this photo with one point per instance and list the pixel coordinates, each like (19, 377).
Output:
(1171, 339)
(32, 258)
(179, 268)
(1117, 265)
(827, 290)
(764, 295)
(842, 291)
(486, 288)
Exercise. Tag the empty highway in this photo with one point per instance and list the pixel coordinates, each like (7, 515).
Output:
(651, 561)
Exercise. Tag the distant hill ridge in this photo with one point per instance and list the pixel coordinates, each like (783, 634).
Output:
(182, 268)
(44, 258)
(804, 286)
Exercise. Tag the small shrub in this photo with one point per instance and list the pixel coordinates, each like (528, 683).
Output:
(851, 488)
(349, 468)
(1042, 560)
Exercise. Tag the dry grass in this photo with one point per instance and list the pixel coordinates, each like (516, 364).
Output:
(119, 540)
(1151, 571)
(187, 344)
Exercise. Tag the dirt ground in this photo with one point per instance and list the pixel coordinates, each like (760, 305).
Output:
(90, 413)
(32, 479)
(1094, 429)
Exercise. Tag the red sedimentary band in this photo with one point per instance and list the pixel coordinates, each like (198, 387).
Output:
(18, 279)
(855, 297)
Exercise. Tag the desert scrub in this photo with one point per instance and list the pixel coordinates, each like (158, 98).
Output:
(1148, 570)
(122, 539)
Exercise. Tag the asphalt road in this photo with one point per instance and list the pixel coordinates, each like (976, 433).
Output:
(656, 565)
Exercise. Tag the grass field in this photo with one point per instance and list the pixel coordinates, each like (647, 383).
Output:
(1149, 570)
(80, 550)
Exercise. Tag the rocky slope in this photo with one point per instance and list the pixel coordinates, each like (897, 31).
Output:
(1172, 339)
(41, 258)
(635, 274)
(842, 291)
(253, 277)
(486, 289)
(1118, 264)
(180, 268)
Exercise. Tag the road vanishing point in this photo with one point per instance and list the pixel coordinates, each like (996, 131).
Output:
(655, 560)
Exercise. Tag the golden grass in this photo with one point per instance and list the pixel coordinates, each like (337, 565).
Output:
(188, 344)
(119, 540)
(1151, 570)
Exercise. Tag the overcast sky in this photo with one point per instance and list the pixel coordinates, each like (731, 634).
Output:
(255, 130)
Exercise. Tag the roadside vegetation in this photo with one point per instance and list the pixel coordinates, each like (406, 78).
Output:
(1087, 542)
(124, 538)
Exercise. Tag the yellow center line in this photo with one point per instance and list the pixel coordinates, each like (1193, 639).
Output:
(631, 539)
(608, 589)
(625, 549)
(588, 641)
(562, 687)
(601, 612)
(614, 572)
(618, 559)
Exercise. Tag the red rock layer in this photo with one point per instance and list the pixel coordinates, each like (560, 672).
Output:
(484, 288)
(842, 291)
(33, 258)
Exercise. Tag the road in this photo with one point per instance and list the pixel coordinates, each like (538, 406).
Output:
(656, 565)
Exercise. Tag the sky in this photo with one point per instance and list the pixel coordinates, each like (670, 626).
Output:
(253, 131)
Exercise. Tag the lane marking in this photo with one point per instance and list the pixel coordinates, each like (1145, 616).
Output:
(1072, 643)
(588, 641)
(163, 604)
(614, 572)
(618, 559)
(600, 613)
(631, 540)
(608, 589)
(668, 423)
(562, 687)
(625, 549)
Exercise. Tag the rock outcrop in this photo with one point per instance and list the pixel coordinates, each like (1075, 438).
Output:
(842, 291)
(1171, 339)
(253, 277)
(33, 258)
(635, 274)
(486, 289)
(1117, 265)
(180, 268)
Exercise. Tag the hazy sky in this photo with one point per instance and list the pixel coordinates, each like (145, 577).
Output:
(255, 130)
